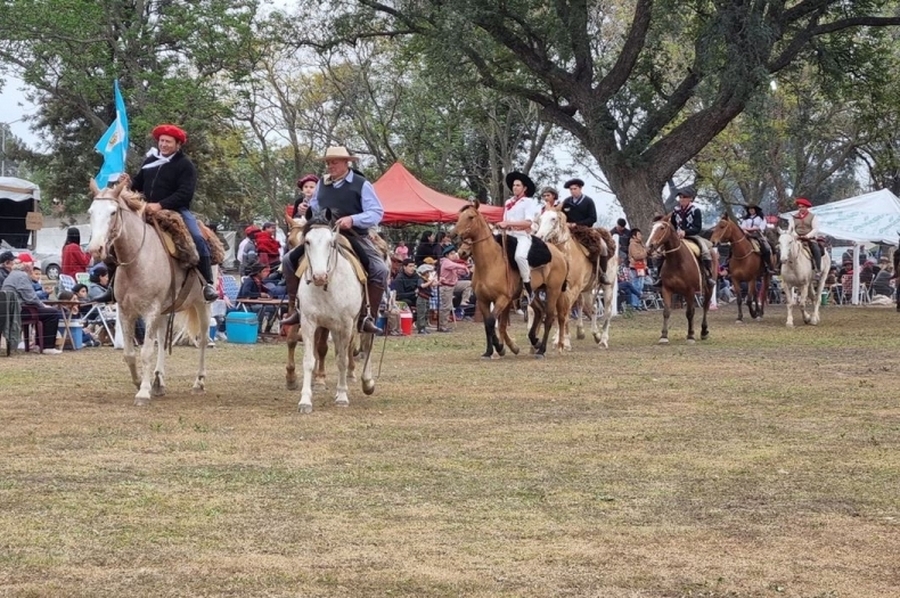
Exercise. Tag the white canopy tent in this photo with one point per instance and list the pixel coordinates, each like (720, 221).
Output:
(869, 218)
(18, 189)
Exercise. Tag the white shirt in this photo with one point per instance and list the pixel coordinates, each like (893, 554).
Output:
(527, 208)
(756, 221)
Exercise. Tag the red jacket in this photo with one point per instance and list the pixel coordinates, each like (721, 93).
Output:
(268, 249)
(74, 260)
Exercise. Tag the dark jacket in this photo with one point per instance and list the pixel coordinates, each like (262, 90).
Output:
(689, 220)
(171, 185)
(251, 288)
(584, 213)
(406, 287)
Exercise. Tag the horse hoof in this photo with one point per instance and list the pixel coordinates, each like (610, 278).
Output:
(292, 385)
(604, 344)
(141, 400)
(342, 401)
(159, 391)
(663, 341)
(304, 407)
(487, 355)
(515, 350)
(704, 336)
(738, 321)
(198, 390)
(691, 341)
(580, 335)
(539, 355)
(368, 387)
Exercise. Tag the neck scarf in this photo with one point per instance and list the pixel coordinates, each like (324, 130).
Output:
(160, 159)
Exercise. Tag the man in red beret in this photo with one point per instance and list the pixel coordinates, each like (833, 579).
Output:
(805, 226)
(167, 180)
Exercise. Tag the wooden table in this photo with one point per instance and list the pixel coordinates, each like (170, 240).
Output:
(65, 309)
(270, 320)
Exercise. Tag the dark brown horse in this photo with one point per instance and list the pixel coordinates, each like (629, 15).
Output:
(495, 282)
(745, 265)
(681, 273)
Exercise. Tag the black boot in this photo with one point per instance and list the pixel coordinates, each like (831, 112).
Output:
(657, 280)
(529, 294)
(292, 284)
(367, 317)
(204, 266)
(707, 266)
(766, 256)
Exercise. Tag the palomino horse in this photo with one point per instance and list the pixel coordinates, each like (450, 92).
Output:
(681, 273)
(744, 265)
(149, 284)
(797, 273)
(495, 282)
(583, 279)
(330, 296)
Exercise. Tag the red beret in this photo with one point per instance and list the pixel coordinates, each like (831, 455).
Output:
(172, 131)
(802, 201)
(306, 179)
(251, 230)
(25, 258)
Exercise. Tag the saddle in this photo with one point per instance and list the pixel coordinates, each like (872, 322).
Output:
(694, 246)
(357, 258)
(175, 237)
(538, 254)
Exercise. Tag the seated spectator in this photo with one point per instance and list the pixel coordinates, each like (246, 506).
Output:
(866, 274)
(881, 285)
(7, 259)
(80, 292)
(275, 284)
(87, 338)
(253, 288)
(99, 283)
(406, 283)
(38, 285)
(20, 281)
(628, 293)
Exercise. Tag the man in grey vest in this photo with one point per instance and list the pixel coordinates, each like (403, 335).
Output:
(353, 201)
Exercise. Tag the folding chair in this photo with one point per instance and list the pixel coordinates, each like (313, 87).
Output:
(32, 319)
(103, 314)
(66, 283)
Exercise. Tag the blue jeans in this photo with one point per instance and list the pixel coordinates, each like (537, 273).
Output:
(191, 223)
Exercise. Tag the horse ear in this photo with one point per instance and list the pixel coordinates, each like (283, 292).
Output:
(329, 216)
(95, 190)
(476, 203)
(309, 214)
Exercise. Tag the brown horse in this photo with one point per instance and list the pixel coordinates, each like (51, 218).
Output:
(495, 282)
(681, 273)
(745, 265)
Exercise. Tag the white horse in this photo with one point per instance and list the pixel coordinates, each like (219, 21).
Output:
(330, 296)
(149, 284)
(797, 273)
(583, 281)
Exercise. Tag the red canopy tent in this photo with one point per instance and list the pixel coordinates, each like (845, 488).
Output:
(407, 201)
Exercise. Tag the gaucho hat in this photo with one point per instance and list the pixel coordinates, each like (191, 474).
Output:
(530, 187)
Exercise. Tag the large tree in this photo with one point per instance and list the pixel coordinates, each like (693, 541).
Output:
(644, 85)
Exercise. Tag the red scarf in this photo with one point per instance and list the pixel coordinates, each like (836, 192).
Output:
(513, 201)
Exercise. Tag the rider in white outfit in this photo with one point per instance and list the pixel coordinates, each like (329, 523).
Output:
(520, 215)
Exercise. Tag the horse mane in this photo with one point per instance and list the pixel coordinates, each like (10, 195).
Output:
(133, 200)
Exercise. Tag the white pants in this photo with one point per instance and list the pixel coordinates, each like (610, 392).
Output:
(523, 244)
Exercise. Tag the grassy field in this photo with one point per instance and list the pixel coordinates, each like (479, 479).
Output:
(763, 462)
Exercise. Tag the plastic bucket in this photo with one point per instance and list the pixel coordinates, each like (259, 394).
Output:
(242, 327)
(212, 329)
(824, 298)
(406, 323)
(75, 330)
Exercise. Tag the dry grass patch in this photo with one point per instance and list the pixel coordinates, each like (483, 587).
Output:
(762, 462)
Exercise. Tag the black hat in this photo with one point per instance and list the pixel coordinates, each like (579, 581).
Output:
(759, 211)
(686, 192)
(448, 249)
(571, 182)
(518, 176)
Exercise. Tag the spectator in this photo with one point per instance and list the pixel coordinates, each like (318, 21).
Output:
(37, 284)
(7, 259)
(627, 292)
(254, 288)
(74, 258)
(247, 249)
(866, 275)
(99, 282)
(406, 283)
(87, 339)
(268, 249)
(427, 248)
(19, 280)
(401, 250)
(624, 239)
(450, 271)
(427, 281)
(637, 258)
(881, 285)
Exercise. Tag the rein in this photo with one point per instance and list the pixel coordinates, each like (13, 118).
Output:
(118, 228)
(745, 239)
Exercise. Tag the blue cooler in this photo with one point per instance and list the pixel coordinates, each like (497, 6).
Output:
(75, 329)
(242, 327)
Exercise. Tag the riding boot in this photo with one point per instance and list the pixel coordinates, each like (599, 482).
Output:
(292, 284)
(766, 255)
(658, 261)
(204, 266)
(367, 318)
(529, 294)
(707, 266)
(109, 296)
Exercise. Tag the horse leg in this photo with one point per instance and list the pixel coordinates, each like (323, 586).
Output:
(667, 311)
(707, 299)
(689, 304)
(603, 338)
(539, 312)
(579, 308)
(368, 380)
(290, 375)
(739, 293)
(490, 327)
(152, 331)
(321, 351)
(201, 314)
(789, 299)
(563, 307)
(803, 298)
(158, 384)
(309, 362)
(127, 325)
(341, 348)
(502, 308)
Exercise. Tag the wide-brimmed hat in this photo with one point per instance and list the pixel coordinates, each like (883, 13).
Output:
(751, 206)
(338, 151)
(172, 131)
(523, 178)
(571, 182)
(686, 192)
(802, 201)
(307, 178)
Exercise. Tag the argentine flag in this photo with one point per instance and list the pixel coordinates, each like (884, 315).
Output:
(113, 146)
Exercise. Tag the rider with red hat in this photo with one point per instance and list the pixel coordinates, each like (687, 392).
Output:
(168, 180)
(805, 226)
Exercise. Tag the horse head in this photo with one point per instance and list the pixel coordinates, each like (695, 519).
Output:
(106, 204)
(788, 246)
(552, 226)
(721, 231)
(662, 234)
(470, 224)
(321, 242)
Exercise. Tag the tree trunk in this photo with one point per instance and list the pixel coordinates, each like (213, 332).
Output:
(640, 196)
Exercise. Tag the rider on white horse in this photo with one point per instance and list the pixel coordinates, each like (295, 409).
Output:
(350, 196)
(805, 226)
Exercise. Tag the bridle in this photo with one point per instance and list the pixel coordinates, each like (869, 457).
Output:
(743, 238)
(332, 254)
(658, 247)
(114, 231)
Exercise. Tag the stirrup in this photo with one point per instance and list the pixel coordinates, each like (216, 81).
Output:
(209, 293)
(367, 325)
(292, 319)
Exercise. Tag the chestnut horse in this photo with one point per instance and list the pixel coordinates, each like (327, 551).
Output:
(584, 279)
(745, 265)
(495, 283)
(681, 273)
